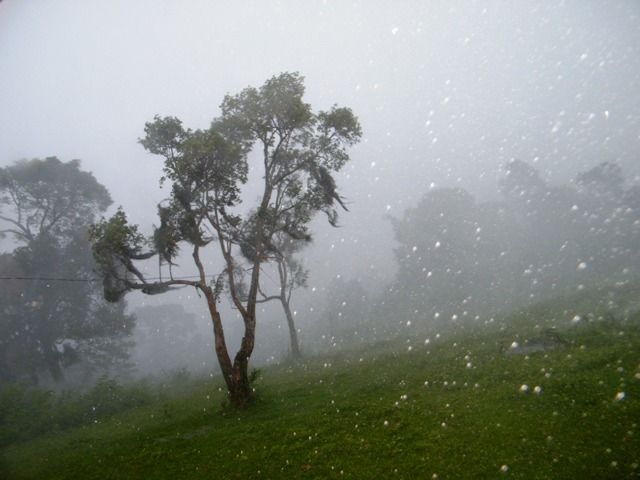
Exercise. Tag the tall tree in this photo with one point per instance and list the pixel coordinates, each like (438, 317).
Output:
(298, 149)
(57, 318)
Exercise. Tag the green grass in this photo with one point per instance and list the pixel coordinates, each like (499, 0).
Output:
(370, 414)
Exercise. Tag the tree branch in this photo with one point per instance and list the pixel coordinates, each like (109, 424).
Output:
(24, 231)
(268, 299)
(155, 288)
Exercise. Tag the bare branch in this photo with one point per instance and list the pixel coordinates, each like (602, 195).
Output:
(268, 299)
(23, 231)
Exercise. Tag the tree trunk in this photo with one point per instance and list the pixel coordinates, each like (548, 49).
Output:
(293, 334)
(242, 392)
(235, 375)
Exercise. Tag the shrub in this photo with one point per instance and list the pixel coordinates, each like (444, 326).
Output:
(26, 412)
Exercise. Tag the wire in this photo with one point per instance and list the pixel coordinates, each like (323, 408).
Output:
(51, 279)
(62, 279)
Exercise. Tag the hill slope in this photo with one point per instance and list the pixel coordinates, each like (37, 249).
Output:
(542, 394)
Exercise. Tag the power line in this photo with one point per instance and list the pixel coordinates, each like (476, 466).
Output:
(50, 279)
(63, 279)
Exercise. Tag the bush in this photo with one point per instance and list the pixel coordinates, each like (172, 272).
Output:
(26, 412)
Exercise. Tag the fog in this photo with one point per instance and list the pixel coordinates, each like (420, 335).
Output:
(447, 94)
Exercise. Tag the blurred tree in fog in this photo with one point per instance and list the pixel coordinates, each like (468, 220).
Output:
(539, 239)
(47, 325)
(298, 150)
(436, 251)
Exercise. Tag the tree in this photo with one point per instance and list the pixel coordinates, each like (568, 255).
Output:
(607, 226)
(48, 197)
(605, 178)
(291, 275)
(298, 149)
(56, 317)
(436, 250)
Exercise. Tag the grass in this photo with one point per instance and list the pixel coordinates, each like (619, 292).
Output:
(450, 408)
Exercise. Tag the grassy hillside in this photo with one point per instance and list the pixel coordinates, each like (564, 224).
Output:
(467, 403)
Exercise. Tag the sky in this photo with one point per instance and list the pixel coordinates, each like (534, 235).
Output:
(446, 92)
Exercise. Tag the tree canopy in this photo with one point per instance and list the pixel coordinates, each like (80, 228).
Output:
(39, 197)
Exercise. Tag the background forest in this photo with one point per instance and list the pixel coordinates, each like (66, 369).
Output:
(458, 260)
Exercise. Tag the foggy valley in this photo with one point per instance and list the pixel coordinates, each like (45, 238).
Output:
(319, 239)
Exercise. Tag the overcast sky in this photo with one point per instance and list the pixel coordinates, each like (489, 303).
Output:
(446, 91)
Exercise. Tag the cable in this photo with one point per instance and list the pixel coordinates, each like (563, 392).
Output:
(62, 279)
(51, 279)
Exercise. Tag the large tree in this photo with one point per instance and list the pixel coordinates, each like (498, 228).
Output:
(298, 151)
(52, 314)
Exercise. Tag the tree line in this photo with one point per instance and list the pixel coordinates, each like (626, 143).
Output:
(458, 258)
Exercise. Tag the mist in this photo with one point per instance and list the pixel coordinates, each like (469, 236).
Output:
(447, 94)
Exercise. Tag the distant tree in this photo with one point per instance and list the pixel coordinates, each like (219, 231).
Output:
(540, 214)
(49, 324)
(607, 225)
(521, 181)
(605, 178)
(291, 275)
(436, 249)
(298, 150)
(631, 235)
